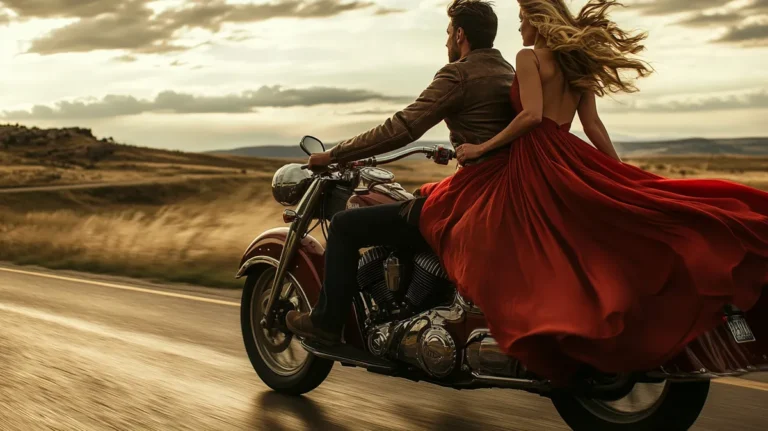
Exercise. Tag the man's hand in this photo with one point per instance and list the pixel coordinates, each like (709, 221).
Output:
(319, 161)
(467, 152)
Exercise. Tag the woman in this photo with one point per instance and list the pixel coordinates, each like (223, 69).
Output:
(575, 257)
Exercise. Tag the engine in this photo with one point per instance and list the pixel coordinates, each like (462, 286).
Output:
(402, 285)
(407, 292)
(412, 300)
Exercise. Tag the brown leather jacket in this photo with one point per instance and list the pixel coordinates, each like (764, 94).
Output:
(471, 95)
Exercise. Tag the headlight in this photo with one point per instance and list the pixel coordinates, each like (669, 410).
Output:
(290, 183)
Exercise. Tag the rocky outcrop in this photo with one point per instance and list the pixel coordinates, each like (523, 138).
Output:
(72, 146)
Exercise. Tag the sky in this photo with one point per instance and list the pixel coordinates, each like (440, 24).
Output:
(200, 75)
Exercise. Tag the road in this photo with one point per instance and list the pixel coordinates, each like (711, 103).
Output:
(92, 353)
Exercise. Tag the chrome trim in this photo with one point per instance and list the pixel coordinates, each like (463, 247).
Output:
(253, 261)
(466, 305)
(429, 151)
(507, 382)
(703, 374)
(345, 360)
(478, 334)
(292, 242)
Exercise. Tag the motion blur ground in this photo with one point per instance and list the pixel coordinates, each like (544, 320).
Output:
(127, 359)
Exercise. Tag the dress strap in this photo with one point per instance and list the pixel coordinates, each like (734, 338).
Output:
(538, 64)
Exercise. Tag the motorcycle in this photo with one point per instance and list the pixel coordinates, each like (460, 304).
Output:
(408, 321)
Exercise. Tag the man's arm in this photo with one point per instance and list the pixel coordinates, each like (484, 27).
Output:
(431, 107)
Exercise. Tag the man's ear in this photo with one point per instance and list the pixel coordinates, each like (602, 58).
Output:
(460, 37)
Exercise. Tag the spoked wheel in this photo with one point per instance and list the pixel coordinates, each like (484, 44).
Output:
(278, 357)
(669, 406)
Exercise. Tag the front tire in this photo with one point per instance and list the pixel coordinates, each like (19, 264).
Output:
(278, 358)
(676, 408)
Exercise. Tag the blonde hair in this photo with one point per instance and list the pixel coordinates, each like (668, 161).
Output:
(591, 49)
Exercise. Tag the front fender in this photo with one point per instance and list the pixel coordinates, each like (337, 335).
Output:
(308, 263)
(308, 268)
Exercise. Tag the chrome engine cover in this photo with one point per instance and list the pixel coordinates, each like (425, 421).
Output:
(421, 340)
(378, 340)
(484, 357)
(438, 352)
(424, 341)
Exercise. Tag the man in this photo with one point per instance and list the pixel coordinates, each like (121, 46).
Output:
(472, 95)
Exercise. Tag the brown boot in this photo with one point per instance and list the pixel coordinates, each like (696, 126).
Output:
(300, 324)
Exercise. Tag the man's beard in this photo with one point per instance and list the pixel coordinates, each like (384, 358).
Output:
(454, 53)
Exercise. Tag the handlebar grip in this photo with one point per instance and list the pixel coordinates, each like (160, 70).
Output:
(304, 166)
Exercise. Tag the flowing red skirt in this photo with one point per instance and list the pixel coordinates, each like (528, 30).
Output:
(576, 258)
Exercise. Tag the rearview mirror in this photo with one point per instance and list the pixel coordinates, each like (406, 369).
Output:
(311, 145)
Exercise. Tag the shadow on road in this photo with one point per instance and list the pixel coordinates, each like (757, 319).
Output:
(275, 411)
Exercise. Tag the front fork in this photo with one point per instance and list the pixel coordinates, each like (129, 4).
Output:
(306, 208)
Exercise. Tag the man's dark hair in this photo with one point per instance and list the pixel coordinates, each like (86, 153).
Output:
(478, 20)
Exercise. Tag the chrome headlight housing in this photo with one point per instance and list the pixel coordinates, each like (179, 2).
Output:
(290, 183)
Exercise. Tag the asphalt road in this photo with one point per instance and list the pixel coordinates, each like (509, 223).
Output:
(92, 353)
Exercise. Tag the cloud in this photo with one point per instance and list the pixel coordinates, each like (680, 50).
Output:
(4, 18)
(750, 34)
(133, 26)
(61, 8)
(125, 58)
(747, 100)
(712, 20)
(667, 7)
(212, 14)
(370, 112)
(183, 103)
(745, 25)
(388, 11)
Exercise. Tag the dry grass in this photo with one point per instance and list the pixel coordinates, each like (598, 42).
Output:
(194, 242)
(196, 231)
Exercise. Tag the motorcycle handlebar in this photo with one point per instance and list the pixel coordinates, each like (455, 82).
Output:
(441, 155)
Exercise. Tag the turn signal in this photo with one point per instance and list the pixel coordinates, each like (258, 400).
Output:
(289, 216)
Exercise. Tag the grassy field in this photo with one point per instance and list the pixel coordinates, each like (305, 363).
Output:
(194, 229)
(191, 230)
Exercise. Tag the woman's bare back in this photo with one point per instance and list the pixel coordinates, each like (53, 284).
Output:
(560, 102)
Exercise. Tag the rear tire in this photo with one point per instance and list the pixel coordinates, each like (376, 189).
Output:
(677, 409)
(308, 373)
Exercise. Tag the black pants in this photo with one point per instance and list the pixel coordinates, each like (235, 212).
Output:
(383, 225)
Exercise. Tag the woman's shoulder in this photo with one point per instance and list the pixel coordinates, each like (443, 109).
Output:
(525, 55)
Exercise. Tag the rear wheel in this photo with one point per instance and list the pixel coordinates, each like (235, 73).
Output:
(278, 358)
(668, 406)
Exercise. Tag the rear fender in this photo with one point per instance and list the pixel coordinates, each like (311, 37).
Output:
(716, 354)
(308, 269)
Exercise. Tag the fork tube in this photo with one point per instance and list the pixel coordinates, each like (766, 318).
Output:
(304, 212)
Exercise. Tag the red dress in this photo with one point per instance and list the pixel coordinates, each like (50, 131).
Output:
(575, 257)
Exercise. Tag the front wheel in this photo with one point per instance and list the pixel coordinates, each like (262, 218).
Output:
(278, 358)
(667, 406)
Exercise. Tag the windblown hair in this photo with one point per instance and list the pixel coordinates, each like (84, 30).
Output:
(591, 49)
(478, 20)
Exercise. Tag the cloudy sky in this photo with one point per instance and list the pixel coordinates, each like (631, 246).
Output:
(212, 74)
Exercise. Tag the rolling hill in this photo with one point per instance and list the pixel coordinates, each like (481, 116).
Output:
(78, 148)
(54, 157)
(692, 146)
(293, 151)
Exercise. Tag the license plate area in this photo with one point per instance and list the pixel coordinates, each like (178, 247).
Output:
(740, 330)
